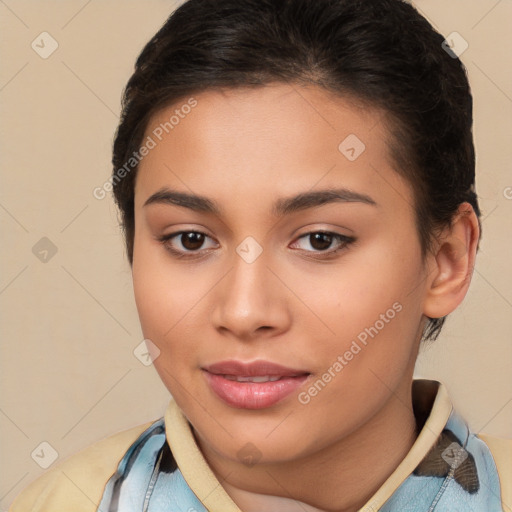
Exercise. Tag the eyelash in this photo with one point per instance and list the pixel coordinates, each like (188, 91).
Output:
(343, 240)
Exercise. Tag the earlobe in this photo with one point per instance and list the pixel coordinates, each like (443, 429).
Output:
(451, 267)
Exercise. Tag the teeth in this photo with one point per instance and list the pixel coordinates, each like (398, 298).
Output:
(263, 378)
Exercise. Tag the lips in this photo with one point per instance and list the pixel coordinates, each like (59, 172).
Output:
(255, 385)
(241, 378)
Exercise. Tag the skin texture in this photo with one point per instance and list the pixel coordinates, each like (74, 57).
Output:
(244, 149)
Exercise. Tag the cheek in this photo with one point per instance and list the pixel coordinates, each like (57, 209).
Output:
(159, 304)
(161, 293)
(170, 302)
(371, 304)
(163, 313)
(375, 321)
(353, 294)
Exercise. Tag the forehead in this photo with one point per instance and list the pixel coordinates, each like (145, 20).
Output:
(270, 141)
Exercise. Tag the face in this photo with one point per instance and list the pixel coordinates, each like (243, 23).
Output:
(277, 268)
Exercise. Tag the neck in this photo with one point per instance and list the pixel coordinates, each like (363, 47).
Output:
(340, 479)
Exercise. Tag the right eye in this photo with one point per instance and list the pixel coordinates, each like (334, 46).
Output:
(187, 243)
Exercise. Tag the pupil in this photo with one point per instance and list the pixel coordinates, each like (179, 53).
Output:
(322, 239)
(192, 241)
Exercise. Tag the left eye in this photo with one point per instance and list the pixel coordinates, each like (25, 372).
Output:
(320, 241)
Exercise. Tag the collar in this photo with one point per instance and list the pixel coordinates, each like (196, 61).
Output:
(447, 468)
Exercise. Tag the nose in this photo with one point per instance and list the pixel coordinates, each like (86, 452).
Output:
(251, 301)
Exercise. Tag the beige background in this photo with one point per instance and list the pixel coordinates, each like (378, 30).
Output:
(69, 326)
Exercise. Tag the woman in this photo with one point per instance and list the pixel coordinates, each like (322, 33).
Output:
(296, 186)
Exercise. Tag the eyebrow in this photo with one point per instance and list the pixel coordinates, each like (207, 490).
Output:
(283, 206)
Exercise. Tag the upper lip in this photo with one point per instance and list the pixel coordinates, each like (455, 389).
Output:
(253, 369)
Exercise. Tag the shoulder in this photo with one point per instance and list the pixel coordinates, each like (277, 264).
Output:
(501, 450)
(77, 483)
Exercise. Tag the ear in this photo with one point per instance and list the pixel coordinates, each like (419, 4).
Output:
(451, 266)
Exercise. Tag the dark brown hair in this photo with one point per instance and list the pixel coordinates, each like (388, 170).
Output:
(380, 52)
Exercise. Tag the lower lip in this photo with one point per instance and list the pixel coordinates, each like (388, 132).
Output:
(253, 395)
